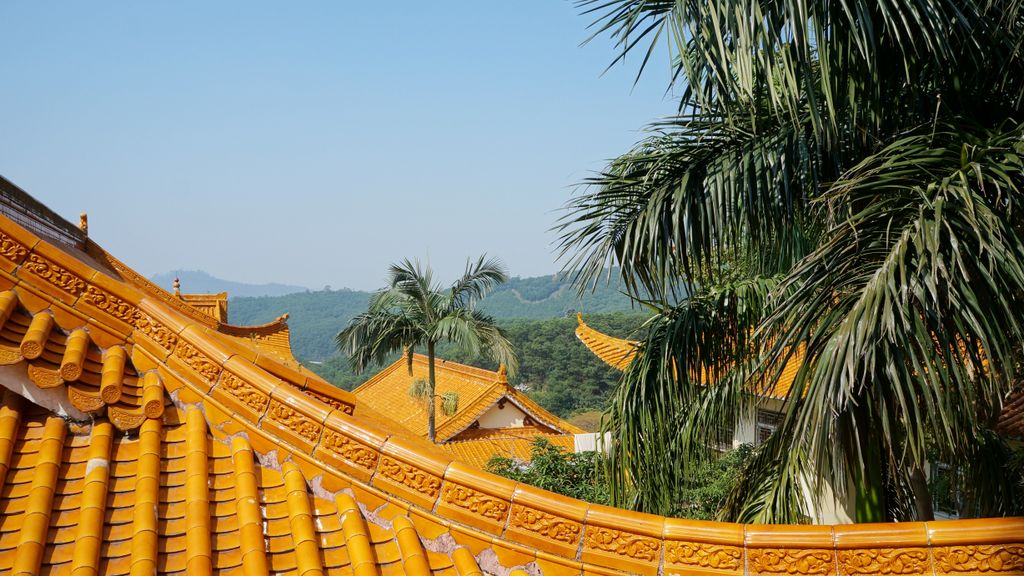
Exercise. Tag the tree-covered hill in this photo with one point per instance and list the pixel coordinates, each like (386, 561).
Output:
(316, 317)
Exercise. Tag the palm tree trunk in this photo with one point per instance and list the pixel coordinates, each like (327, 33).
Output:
(870, 505)
(431, 431)
(922, 496)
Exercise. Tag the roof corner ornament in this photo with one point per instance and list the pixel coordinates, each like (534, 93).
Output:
(283, 318)
(177, 287)
(502, 373)
(83, 223)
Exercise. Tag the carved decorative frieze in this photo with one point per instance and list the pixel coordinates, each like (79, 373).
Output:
(410, 476)
(59, 276)
(11, 249)
(476, 502)
(884, 561)
(699, 554)
(245, 392)
(197, 360)
(155, 331)
(996, 559)
(294, 421)
(332, 402)
(790, 561)
(545, 524)
(349, 450)
(115, 306)
(623, 543)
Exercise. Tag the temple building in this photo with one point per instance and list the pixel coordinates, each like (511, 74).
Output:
(140, 435)
(491, 418)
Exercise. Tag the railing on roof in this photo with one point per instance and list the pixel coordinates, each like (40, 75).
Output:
(32, 214)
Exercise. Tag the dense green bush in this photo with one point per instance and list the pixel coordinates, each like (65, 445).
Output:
(581, 476)
(577, 475)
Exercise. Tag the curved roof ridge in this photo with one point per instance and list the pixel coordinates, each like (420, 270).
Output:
(518, 524)
(616, 352)
(276, 325)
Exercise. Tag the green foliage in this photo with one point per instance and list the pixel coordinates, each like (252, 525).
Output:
(419, 389)
(556, 369)
(449, 403)
(577, 475)
(580, 475)
(844, 181)
(708, 487)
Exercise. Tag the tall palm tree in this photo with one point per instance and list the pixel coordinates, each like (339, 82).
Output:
(413, 311)
(843, 180)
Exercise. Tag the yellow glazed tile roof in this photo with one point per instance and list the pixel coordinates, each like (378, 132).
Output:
(240, 467)
(387, 393)
(510, 443)
(618, 353)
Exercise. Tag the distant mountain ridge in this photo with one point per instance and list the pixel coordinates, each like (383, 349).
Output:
(199, 282)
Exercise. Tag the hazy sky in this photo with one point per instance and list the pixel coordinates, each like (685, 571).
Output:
(313, 143)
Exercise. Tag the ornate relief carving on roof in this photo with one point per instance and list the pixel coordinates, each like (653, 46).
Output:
(113, 305)
(701, 555)
(546, 524)
(156, 331)
(198, 361)
(1005, 559)
(884, 561)
(475, 501)
(57, 275)
(350, 450)
(294, 421)
(11, 249)
(411, 476)
(332, 402)
(623, 543)
(245, 393)
(785, 561)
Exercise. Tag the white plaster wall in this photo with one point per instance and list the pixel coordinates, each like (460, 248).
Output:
(508, 417)
(15, 379)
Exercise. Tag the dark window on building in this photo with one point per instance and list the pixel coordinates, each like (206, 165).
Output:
(723, 437)
(767, 422)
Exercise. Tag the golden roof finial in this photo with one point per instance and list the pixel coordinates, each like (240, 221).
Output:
(502, 373)
(177, 287)
(83, 223)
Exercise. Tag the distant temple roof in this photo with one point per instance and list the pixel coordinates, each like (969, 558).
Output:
(479, 391)
(618, 353)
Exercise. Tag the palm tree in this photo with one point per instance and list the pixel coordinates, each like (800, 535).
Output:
(412, 311)
(843, 180)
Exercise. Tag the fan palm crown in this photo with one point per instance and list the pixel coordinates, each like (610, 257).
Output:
(412, 311)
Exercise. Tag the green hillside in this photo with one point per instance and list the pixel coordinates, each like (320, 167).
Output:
(317, 316)
(538, 314)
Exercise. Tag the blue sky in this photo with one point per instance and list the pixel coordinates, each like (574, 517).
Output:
(313, 143)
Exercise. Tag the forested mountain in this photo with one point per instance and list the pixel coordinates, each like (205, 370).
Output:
(199, 282)
(316, 317)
